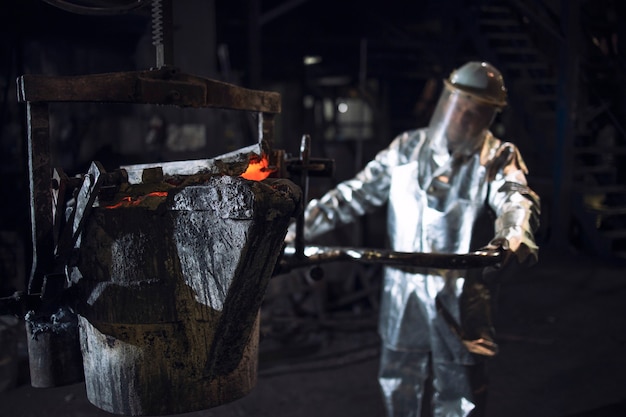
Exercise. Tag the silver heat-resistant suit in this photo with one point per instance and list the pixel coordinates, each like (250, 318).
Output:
(441, 199)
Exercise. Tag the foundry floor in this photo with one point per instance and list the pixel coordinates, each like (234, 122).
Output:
(561, 329)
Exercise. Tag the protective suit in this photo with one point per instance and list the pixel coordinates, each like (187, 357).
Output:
(451, 187)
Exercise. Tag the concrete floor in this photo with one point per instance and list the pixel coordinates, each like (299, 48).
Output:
(561, 330)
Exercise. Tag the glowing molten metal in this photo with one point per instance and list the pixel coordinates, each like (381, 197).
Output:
(135, 201)
(258, 169)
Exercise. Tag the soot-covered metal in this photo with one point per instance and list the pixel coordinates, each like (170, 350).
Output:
(159, 269)
(171, 290)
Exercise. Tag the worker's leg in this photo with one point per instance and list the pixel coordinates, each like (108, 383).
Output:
(479, 384)
(459, 390)
(402, 377)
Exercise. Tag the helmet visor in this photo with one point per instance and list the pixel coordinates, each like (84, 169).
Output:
(460, 121)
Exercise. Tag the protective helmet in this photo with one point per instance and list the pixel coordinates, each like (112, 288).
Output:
(468, 104)
(481, 80)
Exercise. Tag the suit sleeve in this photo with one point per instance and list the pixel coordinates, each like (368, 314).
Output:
(516, 205)
(355, 197)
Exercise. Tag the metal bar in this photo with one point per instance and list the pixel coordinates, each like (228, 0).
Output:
(84, 201)
(319, 255)
(227, 163)
(164, 86)
(163, 32)
(305, 151)
(40, 178)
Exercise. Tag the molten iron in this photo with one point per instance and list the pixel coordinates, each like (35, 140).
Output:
(135, 201)
(258, 169)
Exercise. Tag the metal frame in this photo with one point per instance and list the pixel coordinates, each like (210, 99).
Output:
(163, 86)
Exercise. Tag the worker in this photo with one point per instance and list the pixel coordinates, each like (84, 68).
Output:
(441, 183)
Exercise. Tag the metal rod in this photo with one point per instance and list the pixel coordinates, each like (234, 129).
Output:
(305, 151)
(40, 176)
(162, 32)
(319, 255)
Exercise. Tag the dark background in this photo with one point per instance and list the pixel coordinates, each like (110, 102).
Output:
(563, 62)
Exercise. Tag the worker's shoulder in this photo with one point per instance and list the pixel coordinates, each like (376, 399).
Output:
(500, 155)
(410, 138)
(495, 146)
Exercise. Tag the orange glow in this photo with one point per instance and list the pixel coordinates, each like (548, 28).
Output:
(135, 201)
(258, 169)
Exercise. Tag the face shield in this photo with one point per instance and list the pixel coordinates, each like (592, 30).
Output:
(460, 121)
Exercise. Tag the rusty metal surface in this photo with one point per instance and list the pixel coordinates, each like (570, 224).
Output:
(165, 86)
(40, 173)
(87, 194)
(170, 293)
(53, 349)
(55, 237)
(232, 163)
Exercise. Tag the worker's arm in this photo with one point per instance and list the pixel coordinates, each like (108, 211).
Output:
(354, 197)
(516, 206)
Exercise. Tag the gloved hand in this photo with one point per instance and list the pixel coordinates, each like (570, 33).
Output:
(490, 273)
(513, 253)
(502, 245)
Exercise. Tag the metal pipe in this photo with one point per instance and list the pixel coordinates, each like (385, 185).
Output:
(319, 255)
(305, 152)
